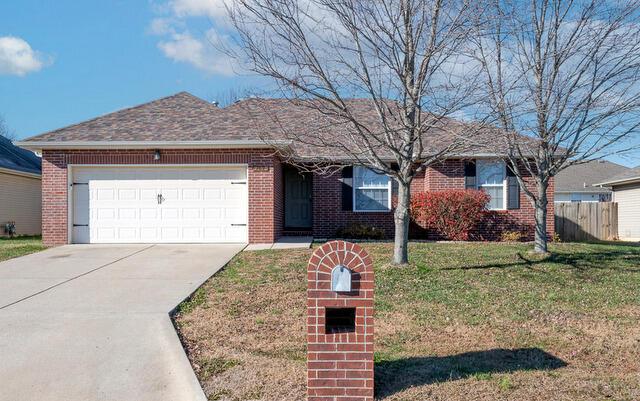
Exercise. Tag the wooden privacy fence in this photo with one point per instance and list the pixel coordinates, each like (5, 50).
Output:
(586, 221)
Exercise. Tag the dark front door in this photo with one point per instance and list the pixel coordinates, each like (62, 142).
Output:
(297, 199)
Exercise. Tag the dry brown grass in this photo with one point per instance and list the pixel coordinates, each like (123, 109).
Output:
(462, 322)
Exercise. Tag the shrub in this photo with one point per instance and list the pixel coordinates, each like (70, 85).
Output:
(452, 213)
(511, 236)
(360, 231)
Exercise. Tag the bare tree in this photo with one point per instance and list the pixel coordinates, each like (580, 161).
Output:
(565, 73)
(5, 131)
(398, 54)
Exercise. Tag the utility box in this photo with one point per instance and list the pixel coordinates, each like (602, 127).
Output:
(340, 323)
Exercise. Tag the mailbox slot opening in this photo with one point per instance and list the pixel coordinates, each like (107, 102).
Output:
(340, 320)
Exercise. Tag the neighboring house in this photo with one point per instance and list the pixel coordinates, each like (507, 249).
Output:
(179, 169)
(20, 189)
(575, 183)
(626, 192)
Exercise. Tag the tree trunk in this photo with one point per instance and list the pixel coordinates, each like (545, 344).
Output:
(401, 218)
(540, 244)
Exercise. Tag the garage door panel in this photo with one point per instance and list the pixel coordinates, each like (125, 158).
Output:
(149, 234)
(147, 194)
(191, 194)
(193, 234)
(128, 234)
(170, 213)
(232, 214)
(148, 214)
(233, 194)
(191, 213)
(212, 194)
(170, 194)
(103, 194)
(127, 214)
(122, 206)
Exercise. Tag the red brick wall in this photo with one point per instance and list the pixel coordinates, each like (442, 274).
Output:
(265, 208)
(328, 215)
(340, 365)
(54, 198)
(450, 175)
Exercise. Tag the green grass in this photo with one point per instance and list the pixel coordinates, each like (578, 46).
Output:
(196, 299)
(486, 319)
(475, 283)
(19, 246)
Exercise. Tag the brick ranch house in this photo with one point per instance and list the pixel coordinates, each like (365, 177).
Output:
(180, 169)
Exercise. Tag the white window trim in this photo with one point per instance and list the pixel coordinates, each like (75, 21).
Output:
(505, 192)
(355, 188)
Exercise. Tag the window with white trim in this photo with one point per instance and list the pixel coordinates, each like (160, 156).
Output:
(371, 191)
(492, 177)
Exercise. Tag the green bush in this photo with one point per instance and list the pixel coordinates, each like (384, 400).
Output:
(360, 231)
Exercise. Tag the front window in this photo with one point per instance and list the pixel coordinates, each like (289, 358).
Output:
(372, 191)
(491, 179)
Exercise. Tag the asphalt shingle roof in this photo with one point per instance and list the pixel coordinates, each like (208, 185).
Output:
(628, 174)
(18, 159)
(581, 177)
(184, 117)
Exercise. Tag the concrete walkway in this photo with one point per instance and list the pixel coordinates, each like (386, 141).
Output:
(88, 322)
(283, 243)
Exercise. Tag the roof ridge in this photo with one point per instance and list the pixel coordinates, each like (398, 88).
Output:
(117, 111)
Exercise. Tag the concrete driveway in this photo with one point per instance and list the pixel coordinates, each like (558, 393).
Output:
(89, 322)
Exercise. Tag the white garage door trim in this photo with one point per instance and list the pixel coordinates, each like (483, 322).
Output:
(72, 169)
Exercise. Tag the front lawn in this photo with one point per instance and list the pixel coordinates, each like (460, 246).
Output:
(479, 321)
(19, 246)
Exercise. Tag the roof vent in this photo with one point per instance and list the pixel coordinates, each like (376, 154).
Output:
(215, 103)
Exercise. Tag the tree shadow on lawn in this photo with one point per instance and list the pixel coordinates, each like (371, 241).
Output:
(398, 375)
(603, 260)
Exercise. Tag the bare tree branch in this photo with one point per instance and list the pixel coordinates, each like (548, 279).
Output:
(567, 75)
(400, 55)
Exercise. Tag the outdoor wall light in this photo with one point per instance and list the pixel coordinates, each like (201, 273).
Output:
(156, 155)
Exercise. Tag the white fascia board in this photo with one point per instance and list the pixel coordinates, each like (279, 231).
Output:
(630, 180)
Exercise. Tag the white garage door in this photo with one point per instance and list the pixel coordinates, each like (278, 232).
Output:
(159, 204)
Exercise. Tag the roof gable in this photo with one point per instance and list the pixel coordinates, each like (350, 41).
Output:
(170, 118)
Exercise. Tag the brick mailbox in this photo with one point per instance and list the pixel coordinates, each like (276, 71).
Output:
(340, 323)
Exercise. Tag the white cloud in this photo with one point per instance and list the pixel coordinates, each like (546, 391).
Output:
(162, 26)
(179, 44)
(183, 47)
(18, 58)
(199, 8)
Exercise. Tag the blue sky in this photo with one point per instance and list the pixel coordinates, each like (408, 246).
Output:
(66, 61)
(92, 57)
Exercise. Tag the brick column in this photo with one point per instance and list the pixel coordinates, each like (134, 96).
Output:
(340, 326)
